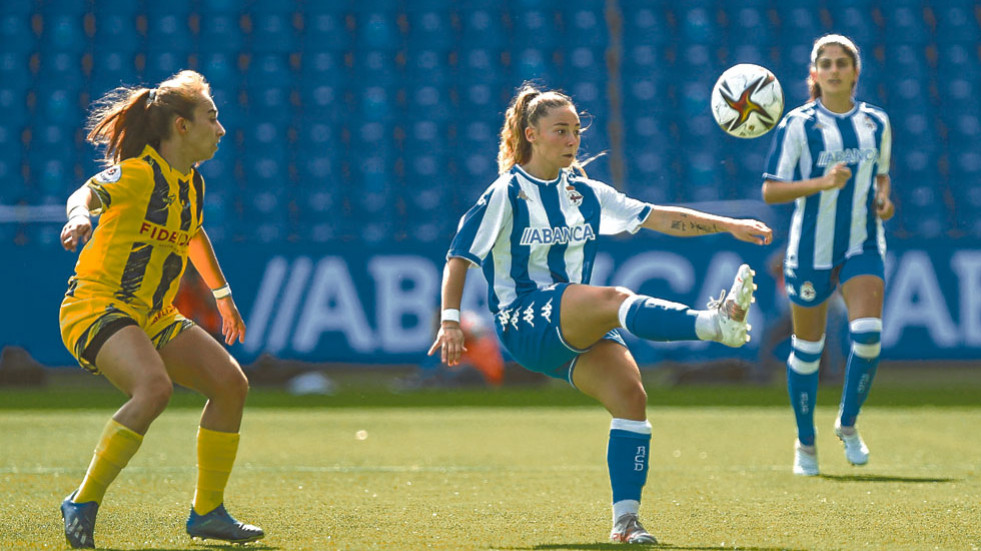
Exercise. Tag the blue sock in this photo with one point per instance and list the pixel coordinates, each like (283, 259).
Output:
(627, 458)
(860, 370)
(802, 384)
(655, 319)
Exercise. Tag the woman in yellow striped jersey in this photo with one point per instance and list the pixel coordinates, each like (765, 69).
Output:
(118, 317)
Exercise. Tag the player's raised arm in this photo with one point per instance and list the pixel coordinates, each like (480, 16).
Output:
(685, 222)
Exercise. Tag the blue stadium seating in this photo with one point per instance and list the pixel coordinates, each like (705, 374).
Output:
(699, 25)
(160, 65)
(15, 73)
(536, 29)
(427, 67)
(102, 8)
(63, 33)
(534, 64)
(483, 28)
(221, 33)
(585, 26)
(584, 63)
(273, 31)
(167, 33)
(60, 70)
(646, 23)
(905, 25)
(325, 31)
(116, 32)
(957, 22)
(750, 26)
(857, 24)
(481, 66)
(376, 68)
(431, 30)
(382, 109)
(430, 101)
(377, 31)
(17, 33)
(800, 25)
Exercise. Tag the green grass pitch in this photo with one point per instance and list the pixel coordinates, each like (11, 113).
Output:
(507, 477)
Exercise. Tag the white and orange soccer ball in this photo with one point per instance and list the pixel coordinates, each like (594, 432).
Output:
(747, 101)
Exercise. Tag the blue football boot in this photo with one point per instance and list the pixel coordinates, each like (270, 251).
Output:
(219, 525)
(79, 522)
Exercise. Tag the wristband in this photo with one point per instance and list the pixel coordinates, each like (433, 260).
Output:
(222, 292)
(84, 212)
(450, 314)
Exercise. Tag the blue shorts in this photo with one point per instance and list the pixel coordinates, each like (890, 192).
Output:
(810, 287)
(529, 329)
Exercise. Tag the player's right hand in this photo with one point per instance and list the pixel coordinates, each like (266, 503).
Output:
(450, 340)
(76, 232)
(837, 177)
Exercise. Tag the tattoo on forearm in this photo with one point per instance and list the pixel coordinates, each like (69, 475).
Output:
(684, 225)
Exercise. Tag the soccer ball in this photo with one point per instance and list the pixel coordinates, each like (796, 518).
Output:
(747, 101)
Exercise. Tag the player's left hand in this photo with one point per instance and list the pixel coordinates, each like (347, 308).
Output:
(450, 341)
(232, 324)
(884, 207)
(751, 231)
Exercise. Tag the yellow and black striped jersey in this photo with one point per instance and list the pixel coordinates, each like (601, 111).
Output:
(149, 213)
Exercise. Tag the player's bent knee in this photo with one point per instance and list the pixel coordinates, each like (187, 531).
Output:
(633, 398)
(234, 386)
(620, 294)
(154, 395)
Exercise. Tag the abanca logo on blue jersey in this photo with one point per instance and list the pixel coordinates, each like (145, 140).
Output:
(559, 235)
(851, 156)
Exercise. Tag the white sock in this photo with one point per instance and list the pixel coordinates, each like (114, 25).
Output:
(706, 326)
(625, 506)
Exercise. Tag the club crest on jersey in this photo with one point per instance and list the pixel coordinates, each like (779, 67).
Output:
(574, 195)
(109, 175)
(559, 235)
(807, 291)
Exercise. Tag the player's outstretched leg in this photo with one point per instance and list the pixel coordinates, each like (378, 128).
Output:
(725, 320)
(219, 525)
(79, 522)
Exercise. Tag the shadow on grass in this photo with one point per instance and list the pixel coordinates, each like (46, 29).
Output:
(198, 545)
(620, 547)
(881, 478)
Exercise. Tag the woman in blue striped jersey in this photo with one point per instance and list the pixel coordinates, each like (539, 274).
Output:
(831, 157)
(534, 233)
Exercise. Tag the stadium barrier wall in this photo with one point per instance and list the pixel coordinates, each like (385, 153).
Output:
(348, 303)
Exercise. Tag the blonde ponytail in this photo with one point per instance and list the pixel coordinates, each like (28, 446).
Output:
(127, 119)
(528, 105)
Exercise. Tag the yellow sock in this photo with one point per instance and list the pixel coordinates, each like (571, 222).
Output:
(117, 445)
(216, 455)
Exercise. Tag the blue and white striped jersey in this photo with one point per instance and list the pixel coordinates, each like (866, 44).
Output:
(528, 233)
(832, 225)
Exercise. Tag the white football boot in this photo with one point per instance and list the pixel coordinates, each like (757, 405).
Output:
(856, 452)
(627, 529)
(732, 309)
(805, 464)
